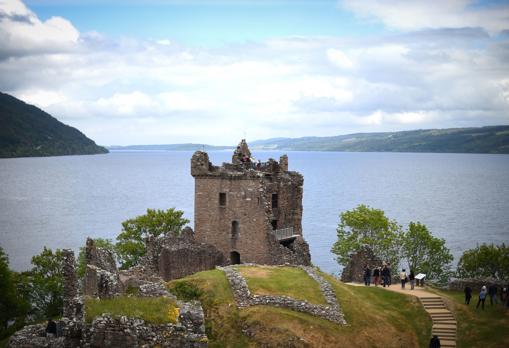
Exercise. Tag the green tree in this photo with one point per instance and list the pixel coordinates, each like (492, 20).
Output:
(426, 253)
(99, 242)
(370, 227)
(46, 283)
(13, 306)
(131, 241)
(485, 261)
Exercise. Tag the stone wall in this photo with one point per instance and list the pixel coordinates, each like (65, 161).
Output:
(244, 297)
(354, 270)
(476, 284)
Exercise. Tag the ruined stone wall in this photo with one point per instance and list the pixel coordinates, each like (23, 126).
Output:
(244, 204)
(476, 284)
(354, 270)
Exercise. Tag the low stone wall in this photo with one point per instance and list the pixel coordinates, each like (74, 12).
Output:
(124, 332)
(476, 284)
(244, 298)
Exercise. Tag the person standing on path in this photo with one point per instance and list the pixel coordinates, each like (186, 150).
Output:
(376, 275)
(367, 275)
(411, 277)
(492, 291)
(403, 278)
(468, 294)
(389, 280)
(482, 297)
(385, 275)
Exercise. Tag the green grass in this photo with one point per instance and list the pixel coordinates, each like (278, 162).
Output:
(376, 318)
(222, 321)
(4, 342)
(151, 309)
(478, 328)
(289, 281)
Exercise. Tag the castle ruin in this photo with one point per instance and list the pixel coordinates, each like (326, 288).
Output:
(249, 210)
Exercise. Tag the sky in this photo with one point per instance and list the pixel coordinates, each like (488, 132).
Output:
(214, 71)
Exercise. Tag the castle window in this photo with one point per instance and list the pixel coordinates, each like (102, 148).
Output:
(222, 199)
(274, 200)
(235, 230)
(274, 224)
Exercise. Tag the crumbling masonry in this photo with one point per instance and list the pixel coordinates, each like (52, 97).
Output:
(251, 212)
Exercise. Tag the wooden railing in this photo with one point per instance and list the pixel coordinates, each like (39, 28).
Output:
(283, 233)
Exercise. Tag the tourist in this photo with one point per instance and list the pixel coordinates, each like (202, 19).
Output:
(367, 275)
(385, 275)
(492, 291)
(403, 278)
(503, 296)
(468, 294)
(434, 342)
(412, 279)
(51, 328)
(376, 275)
(482, 297)
(389, 274)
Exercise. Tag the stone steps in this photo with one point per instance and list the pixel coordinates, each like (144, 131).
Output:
(444, 322)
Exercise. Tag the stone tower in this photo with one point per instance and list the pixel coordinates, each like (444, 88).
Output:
(250, 211)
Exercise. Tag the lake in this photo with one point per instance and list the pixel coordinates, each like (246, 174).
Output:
(59, 201)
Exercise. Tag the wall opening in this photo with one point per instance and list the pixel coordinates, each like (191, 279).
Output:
(222, 199)
(234, 258)
(274, 200)
(274, 224)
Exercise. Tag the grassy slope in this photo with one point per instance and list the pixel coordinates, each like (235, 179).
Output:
(289, 281)
(478, 328)
(151, 309)
(376, 318)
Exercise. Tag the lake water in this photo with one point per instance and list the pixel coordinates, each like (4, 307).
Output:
(59, 201)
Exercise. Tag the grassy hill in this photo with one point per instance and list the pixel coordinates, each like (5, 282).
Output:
(376, 318)
(27, 131)
(492, 139)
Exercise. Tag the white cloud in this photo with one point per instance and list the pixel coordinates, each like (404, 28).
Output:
(423, 14)
(21, 31)
(339, 58)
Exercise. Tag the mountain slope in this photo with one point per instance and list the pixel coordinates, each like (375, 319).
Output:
(491, 139)
(27, 131)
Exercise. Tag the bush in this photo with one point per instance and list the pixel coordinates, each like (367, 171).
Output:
(186, 291)
(485, 261)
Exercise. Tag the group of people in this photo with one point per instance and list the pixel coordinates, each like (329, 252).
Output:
(404, 278)
(490, 292)
(381, 275)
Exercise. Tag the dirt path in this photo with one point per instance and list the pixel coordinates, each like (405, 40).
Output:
(444, 322)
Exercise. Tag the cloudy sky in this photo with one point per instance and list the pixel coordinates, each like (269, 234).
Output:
(159, 72)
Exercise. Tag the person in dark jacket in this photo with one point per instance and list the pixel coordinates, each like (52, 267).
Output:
(468, 294)
(492, 292)
(376, 275)
(385, 275)
(411, 277)
(434, 342)
(367, 275)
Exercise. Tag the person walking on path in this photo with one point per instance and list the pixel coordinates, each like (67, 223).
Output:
(403, 278)
(492, 291)
(385, 275)
(389, 280)
(376, 275)
(367, 275)
(482, 297)
(434, 342)
(468, 294)
(411, 277)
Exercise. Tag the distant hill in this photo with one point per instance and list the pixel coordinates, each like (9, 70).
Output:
(170, 147)
(491, 139)
(27, 131)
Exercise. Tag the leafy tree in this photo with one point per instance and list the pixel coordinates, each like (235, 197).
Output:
(99, 242)
(131, 241)
(425, 253)
(367, 226)
(46, 283)
(13, 306)
(485, 261)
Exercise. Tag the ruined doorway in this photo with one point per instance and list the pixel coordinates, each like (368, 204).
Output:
(234, 258)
